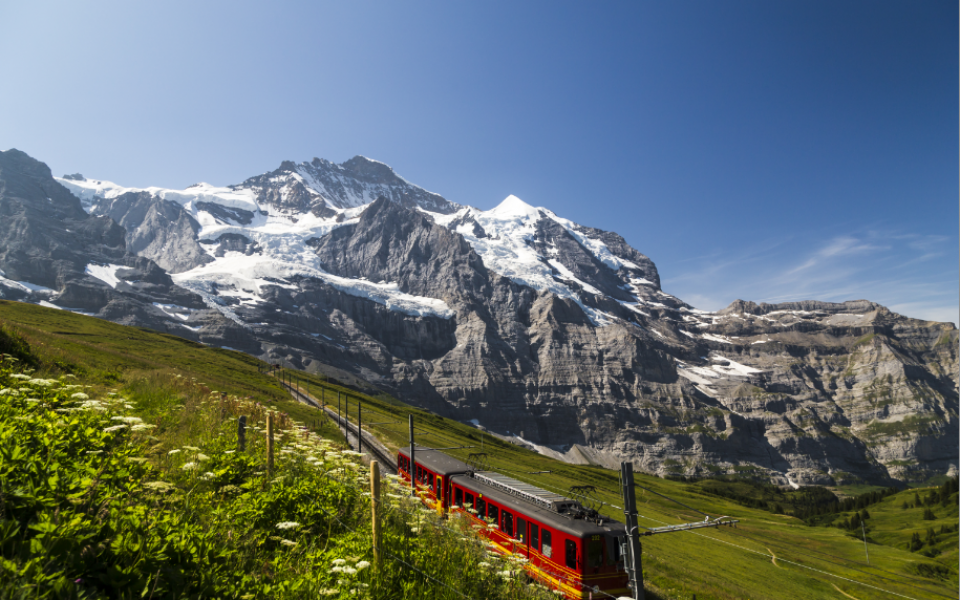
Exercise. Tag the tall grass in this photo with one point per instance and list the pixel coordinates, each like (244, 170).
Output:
(144, 493)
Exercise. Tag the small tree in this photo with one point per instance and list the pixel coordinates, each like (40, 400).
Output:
(915, 543)
(855, 521)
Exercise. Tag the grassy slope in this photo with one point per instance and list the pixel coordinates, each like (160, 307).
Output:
(726, 563)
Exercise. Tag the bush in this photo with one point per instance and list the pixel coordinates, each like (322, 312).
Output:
(13, 344)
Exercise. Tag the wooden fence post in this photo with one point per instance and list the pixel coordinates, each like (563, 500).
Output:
(270, 444)
(375, 509)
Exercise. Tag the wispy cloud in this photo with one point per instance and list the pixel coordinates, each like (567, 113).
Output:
(837, 247)
(910, 273)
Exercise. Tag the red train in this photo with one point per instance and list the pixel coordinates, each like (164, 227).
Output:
(568, 547)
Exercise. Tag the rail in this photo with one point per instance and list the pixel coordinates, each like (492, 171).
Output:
(370, 443)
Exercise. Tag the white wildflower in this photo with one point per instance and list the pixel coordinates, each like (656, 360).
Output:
(291, 525)
(174, 451)
(115, 428)
(44, 382)
(339, 561)
(207, 476)
(193, 448)
(94, 452)
(363, 564)
(202, 457)
(189, 466)
(142, 427)
(129, 420)
(288, 543)
(20, 376)
(158, 486)
(80, 396)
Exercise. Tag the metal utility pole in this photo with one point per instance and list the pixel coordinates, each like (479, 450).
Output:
(359, 427)
(633, 548)
(413, 460)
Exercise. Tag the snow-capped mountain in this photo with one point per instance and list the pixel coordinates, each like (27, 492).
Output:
(542, 330)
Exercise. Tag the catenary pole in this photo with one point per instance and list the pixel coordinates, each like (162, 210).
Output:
(413, 460)
(633, 548)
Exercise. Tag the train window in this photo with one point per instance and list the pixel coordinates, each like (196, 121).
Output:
(571, 554)
(494, 513)
(534, 536)
(521, 530)
(613, 550)
(508, 523)
(468, 501)
(594, 551)
(546, 547)
(481, 507)
(457, 497)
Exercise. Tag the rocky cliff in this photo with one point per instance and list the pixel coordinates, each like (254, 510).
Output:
(538, 329)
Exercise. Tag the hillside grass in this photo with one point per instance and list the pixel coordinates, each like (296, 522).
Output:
(722, 564)
(98, 502)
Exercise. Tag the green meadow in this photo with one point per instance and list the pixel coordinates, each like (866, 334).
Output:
(767, 555)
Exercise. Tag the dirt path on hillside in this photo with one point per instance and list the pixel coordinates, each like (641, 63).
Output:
(842, 592)
(773, 558)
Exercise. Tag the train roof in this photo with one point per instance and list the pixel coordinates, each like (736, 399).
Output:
(437, 461)
(562, 522)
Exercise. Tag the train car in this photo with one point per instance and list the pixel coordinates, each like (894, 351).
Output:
(433, 472)
(567, 547)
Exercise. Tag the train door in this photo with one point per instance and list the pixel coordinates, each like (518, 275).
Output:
(438, 492)
(523, 535)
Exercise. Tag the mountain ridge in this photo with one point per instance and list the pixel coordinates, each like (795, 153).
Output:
(530, 325)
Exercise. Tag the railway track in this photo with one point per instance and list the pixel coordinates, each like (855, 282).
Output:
(371, 444)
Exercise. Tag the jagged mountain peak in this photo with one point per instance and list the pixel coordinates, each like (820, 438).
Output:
(514, 207)
(372, 170)
(324, 187)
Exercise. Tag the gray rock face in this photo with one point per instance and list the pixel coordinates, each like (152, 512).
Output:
(577, 353)
(52, 251)
(232, 242)
(157, 229)
(317, 185)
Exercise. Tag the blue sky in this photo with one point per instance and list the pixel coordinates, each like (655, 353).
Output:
(768, 151)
